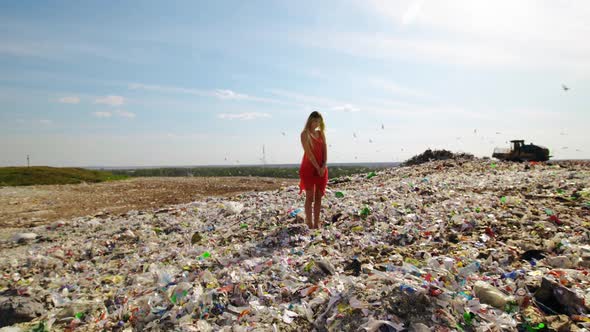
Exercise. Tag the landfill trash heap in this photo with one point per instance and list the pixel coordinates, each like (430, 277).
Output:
(454, 245)
(430, 155)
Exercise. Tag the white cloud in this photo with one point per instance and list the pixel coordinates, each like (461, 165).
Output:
(412, 12)
(524, 35)
(396, 89)
(111, 100)
(46, 48)
(102, 114)
(45, 122)
(388, 47)
(529, 34)
(125, 114)
(69, 100)
(222, 94)
(346, 108)
(243, 116)
(229, 94)
(307, 100)
(118, 113)
(166, 89)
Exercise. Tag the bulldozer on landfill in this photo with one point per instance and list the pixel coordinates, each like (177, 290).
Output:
(522, 152)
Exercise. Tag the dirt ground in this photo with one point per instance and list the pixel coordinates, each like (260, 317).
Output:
(37, 205)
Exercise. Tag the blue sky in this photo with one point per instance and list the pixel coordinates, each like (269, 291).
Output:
(202, 82)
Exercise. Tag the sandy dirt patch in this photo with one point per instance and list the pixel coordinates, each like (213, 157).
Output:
(37, 205)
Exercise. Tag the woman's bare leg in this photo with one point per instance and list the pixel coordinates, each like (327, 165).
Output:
(309, 195)
(317, 207)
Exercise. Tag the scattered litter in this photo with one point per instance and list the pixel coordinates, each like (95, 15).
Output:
(430, 155)
(23, 237)
(455, 244)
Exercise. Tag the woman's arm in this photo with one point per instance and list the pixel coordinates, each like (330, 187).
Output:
(325, 148)
(308, 150)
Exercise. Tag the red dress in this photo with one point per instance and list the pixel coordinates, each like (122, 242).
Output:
(308, 174)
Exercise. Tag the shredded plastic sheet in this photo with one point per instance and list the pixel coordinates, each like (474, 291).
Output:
(453, 245)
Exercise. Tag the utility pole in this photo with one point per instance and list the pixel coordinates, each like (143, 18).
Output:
(28, 161)
(263, 156)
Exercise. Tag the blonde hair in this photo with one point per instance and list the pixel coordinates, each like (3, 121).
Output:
(313, 116)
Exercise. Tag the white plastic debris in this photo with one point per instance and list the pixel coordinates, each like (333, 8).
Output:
(24, 237)
(440, 245)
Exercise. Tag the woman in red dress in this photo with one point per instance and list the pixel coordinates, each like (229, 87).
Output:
(313, 172)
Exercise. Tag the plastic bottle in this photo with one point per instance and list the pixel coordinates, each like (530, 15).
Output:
(513, 274)
(364, 212)
(295, 212)
(407, 289)
(469, 269)
(468, 317)
(490, 295)
(531, 328)
(179, 294)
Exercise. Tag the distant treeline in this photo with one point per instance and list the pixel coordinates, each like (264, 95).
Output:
(274, 172)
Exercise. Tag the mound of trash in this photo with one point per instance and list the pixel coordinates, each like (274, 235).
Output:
(449, 245)
(430, 155)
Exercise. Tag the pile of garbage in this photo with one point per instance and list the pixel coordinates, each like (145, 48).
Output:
(429, 156)
(449, 245)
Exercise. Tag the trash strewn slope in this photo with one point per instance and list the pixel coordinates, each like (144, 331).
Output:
(452, 245)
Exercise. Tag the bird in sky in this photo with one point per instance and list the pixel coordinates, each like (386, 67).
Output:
(564, 87)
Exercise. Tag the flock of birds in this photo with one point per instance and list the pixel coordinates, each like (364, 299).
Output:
(355, 135)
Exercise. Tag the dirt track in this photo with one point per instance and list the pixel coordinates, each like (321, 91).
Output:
(37, 205)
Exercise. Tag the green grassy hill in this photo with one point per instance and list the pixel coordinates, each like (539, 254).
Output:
(26, 176)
